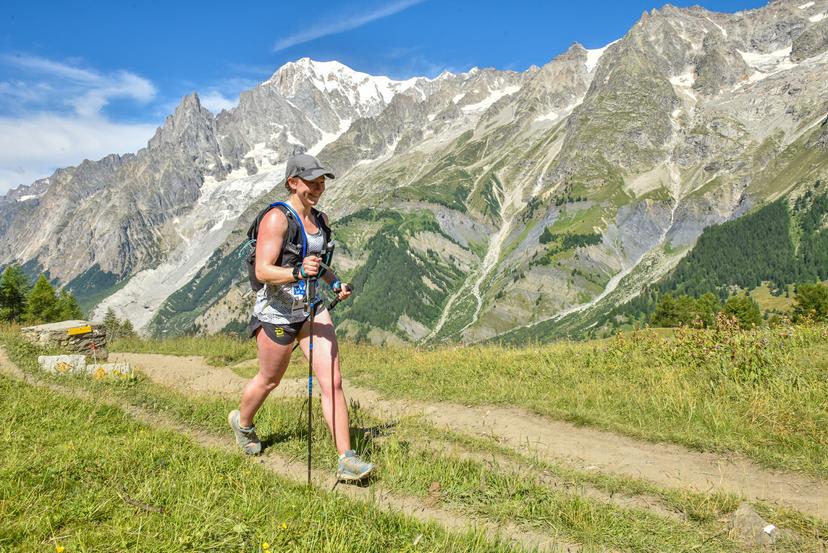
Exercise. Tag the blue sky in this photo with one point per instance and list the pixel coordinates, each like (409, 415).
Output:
(83, 79)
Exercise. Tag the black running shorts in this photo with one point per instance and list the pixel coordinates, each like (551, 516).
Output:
(283, 334)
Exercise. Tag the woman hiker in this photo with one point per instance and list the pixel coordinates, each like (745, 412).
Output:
(280, 315)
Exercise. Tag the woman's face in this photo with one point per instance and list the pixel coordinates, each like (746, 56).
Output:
(308, 191)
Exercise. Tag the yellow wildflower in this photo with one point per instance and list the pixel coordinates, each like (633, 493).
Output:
(284, 526)
(265, 546)
(59, 549)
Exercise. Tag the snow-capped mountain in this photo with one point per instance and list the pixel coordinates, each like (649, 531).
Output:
(358, 94)
(497, 199)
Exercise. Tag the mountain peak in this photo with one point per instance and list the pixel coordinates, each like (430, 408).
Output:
(321, 70)
(189, 118)
(320, 67)
(190, 102)
(362, 91)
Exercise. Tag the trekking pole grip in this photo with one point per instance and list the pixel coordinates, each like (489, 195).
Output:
(336, 300)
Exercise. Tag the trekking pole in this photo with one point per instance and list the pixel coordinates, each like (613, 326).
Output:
(310, 291)
(336, 300)
(331, 305)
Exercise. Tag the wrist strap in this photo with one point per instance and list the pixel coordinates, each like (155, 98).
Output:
(302, 272)
(336, 284)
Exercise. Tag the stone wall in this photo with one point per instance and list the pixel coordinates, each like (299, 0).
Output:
(62, 337)
(77, 365)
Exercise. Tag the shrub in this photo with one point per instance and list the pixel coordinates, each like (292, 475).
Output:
(811, 302)
(744, 309)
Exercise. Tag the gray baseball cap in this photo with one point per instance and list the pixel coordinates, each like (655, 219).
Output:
(307, 167)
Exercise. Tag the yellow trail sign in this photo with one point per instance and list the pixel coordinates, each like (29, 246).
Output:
(77, 330)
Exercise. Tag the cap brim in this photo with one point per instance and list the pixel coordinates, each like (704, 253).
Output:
(316, 173)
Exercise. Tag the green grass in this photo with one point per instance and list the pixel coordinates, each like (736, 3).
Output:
(795, 165)
(219, 349)
(767, 301)
(760, 393)
(469, 486)
(574, 220)
(84, 476)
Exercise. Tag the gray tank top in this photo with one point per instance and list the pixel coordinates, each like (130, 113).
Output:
(285, 303)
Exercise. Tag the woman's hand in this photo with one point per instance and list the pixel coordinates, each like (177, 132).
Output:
(344, 291)
(311, 265)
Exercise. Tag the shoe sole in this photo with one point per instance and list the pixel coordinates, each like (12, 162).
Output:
(343, 478)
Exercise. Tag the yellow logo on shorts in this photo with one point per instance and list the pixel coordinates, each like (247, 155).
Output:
(280, 331)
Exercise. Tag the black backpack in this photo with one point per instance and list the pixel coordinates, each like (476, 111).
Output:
(294, 246)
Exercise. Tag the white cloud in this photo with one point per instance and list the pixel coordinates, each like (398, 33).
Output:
(53, 117)
(340, 24)
(215, 101)
(33, 147)
(85, 90)
(49, 67)
(126, 85)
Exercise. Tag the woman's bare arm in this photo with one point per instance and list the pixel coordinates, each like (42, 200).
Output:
(272, 231)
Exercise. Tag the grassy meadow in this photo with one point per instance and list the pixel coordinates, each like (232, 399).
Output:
(80, 476)
(762, 393)
(75, 471)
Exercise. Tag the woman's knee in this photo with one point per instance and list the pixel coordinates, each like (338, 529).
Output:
(327, 383)
(267, 383)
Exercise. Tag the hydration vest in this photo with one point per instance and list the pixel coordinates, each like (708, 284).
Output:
(294, 246)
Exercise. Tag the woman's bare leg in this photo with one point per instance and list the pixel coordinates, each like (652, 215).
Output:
(325, 357)
(273, 362)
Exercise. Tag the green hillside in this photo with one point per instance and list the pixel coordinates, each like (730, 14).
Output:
(779, 242)
(782, 243)
(396, 279)
(777, 245)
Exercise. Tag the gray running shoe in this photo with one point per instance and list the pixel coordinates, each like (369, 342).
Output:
(245, 437)
(352, 468)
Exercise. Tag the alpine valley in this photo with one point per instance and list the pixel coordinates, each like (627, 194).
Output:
(488, 205)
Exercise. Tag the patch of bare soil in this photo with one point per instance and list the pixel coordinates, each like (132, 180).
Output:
(667, 465)
(501, 463)
(188, 369)
(193, 374)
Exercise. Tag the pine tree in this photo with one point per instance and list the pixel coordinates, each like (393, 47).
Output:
(127, 330)
(811, 301)
(14, 287)
(67, 306)
(112, 325)
(41, 304)
(664, 313)
(744, 309)
(686, 311)
(706, 308)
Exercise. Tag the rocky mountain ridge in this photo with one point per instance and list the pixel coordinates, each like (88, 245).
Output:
(506, 199)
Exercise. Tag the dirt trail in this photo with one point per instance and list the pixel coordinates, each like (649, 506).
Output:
(296, 471)
(664, 464)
